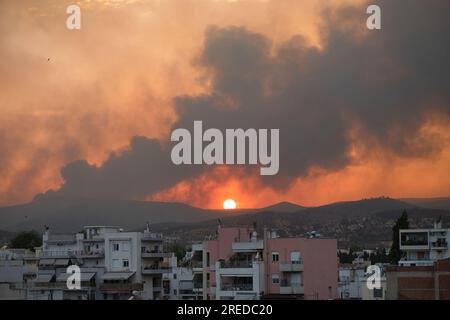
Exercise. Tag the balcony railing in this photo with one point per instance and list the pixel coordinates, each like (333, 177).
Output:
(156, 270)
(287, 287)
(91, 254)
(59, 285)
(196, 264)
(156, 254)
(121, 286)
(248, 246)
(293, 289)
(292, 266)
(439, 244)
(237, 287)
(152, 237)
(71, 253)
(236, 264)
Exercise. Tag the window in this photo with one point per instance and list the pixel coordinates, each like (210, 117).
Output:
(295, 257)
(115, 263)
(125, 246)
(275, 278)
(275, 256)
(207, 259)
(115, 247)
(125, 263)
(174, 275)
(378, 293)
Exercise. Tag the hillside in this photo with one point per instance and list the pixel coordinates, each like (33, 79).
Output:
(366, 222)
(71, 214)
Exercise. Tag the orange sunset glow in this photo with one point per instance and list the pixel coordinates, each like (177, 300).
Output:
(78, 106)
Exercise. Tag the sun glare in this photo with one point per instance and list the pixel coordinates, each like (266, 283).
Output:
(229, 204)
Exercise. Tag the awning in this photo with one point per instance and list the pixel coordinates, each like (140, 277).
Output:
(117, 275)
(46, 262)
(84, 276)
(62, 262)
(44, 277)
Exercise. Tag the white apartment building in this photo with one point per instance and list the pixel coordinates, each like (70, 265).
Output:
(114, 265)
(350, 281)
(424, 246)
(17, 268)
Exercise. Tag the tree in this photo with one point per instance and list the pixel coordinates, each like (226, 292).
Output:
(179, 250)
(346, 257)
(379, 256)
(402, 223)
(26, 240)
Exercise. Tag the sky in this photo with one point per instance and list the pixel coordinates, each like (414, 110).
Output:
(88, 113)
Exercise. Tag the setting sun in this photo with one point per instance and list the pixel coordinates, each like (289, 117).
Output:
(229, 204)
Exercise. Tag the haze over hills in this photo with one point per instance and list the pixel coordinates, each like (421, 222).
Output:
(367, 221)
(70, 214)
(435, 203)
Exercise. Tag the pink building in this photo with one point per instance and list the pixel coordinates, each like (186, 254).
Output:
(239, 265)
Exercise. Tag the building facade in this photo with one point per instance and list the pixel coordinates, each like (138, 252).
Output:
(239, 265)
(114, 265)
(423, 247)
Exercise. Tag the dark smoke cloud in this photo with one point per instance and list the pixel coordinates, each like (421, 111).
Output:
(385, 83)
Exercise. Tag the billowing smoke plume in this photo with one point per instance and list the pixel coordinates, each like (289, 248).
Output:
(373, 89)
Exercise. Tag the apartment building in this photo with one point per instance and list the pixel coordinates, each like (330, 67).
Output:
(350, 281)
(423, 282)
(17, 268)
(423, 247)
(114, 265)
(239, 265)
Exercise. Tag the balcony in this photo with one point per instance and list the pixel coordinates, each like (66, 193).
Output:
(56, 254)
(292, 289)
(85, 285)
(91, 254)
(155, 270)
(250, 246)
(237, 287)
(236, 264)
(415, 263)
(197, 265)
(293, 266)
(156, 254)
(439, 244)
(152, 237)
(413, 239)
(121, 287)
